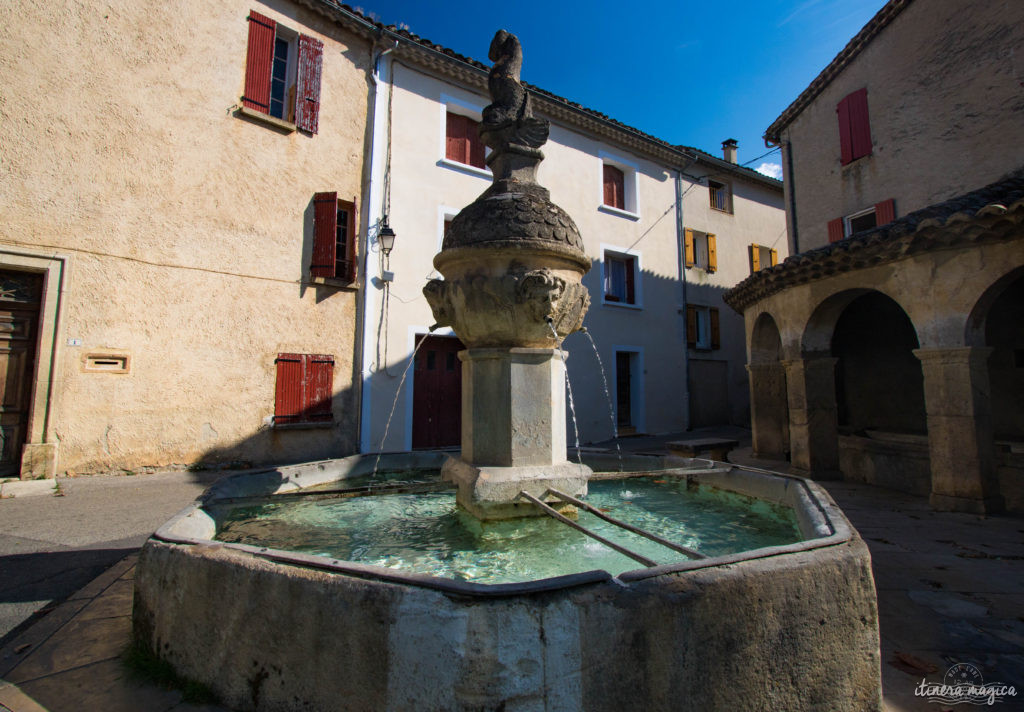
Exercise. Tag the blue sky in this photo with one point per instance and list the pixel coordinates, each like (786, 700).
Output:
(689, 72)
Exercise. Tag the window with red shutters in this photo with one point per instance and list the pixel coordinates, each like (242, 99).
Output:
(462, 141)
(334, 238)
(282, 73)
(854, 127)
(304, 389)
(614, 187)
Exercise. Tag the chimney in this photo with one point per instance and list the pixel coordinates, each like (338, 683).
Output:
(729, 149)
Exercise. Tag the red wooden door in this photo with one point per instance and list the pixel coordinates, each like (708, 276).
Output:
(20, 296)
(437, 393)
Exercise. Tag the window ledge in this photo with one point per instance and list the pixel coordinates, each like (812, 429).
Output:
(465, 168)
(624, 305)
(304, 426)
(266, 119)
(723, 212)
(618, 211)
(342, 284)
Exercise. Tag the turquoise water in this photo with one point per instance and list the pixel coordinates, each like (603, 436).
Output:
(426, 533)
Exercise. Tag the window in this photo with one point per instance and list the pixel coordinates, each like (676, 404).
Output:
(762, 257)
(880, 214)
(702, 329)
(621, 273)
(304, 389)
(720, 195)
(462, 141)
(618, 186)
(854, 127)
(334, 238)
(282, 74)
(701, 250)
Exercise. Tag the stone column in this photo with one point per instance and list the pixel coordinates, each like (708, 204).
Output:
(813, 419)
(513, 432)
(960, 441)
(769, 414)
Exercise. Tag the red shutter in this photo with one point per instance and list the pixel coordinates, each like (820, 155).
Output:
(319, 382)
(845, 137)
(691, 326)
(350, 246)
(716, 334)
(288, 400)
(476, 146)
(257, 62)
(885, 212)
(860, 126)
(307, 98)
(835, 230)
(455, 138)
(614, 183)
(325, 234)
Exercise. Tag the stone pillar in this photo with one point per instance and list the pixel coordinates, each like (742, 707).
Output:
(513, 432)
(960, 442)
(813, 418)
(769, 413)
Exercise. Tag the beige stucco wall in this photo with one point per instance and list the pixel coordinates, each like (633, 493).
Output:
(425, 188)
(187, 228)
(945, 105)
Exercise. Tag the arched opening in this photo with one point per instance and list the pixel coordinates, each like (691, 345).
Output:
(769, 408)
(879, 383)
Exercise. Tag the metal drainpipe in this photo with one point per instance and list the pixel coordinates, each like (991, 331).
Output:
(791, 189)
(681, 259)
(372, 203)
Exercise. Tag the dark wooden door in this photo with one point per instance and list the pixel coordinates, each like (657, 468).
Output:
(20, 296)
(437, 393)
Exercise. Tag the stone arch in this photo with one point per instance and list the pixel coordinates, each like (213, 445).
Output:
(769, 407)
(817, 333)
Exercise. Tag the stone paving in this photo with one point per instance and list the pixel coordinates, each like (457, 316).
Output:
(950, 589)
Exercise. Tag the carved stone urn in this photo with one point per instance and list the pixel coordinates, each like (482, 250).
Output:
(512, 263)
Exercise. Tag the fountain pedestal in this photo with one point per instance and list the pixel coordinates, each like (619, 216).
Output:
(513, 432)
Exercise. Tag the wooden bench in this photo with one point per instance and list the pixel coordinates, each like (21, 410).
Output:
(716, 448)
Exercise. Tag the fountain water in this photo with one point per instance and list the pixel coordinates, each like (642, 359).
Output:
(503, 601)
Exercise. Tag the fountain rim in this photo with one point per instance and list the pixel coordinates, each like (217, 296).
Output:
(827, 520)
(528, 246)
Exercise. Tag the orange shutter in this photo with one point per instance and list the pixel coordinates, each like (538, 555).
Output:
(755, 258)
(775, 257)
(689, 247)
(712, 254)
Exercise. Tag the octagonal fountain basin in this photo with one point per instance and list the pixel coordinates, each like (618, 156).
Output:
(323, 587)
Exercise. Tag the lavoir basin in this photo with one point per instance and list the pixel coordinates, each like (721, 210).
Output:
(679, 585)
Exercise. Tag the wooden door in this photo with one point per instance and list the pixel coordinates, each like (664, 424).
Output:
(437, 393)
(20, 296)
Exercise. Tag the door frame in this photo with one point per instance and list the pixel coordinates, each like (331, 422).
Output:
(39, 455)
(637, 399)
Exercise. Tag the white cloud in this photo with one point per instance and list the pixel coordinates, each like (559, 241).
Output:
(773, 170)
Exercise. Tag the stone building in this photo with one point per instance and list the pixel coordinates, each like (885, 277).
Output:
(890, 346)
(167, 171)
(669, 229)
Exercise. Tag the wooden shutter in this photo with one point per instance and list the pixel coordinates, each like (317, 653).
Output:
(854, 126)
(885, 212)
(614, 185)
(716, 335)
(351, 263)
(712, 254)
(307, 99)
(688, 247)
(475, 147)
(318, 382)
(835, 230)
(775, 257)
(325, 235)
(456, 147)
(258, 60)
(288, 399)
(755, 258)
(691, 326)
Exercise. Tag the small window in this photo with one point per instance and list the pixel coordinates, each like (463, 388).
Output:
(304, 389)
(880, 214)
(701, 250)
(762, 257)
(720, 195)
(614, 187)
(462, 141)
(702, 327)
(619, 185)
(282, 74)
(854, 127)
(621, 274)
(334, 238)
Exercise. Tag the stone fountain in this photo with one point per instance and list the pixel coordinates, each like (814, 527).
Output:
(272, 626)
(512, 263)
